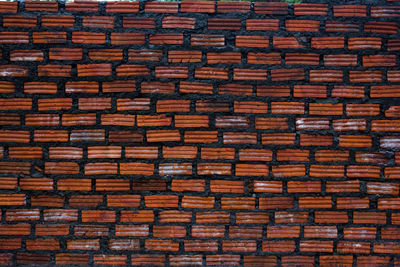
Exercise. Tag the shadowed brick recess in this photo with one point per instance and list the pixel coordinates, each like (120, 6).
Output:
(200, 133)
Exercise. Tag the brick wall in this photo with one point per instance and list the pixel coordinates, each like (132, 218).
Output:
(200, 133)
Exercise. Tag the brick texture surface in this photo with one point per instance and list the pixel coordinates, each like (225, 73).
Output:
(200, 133)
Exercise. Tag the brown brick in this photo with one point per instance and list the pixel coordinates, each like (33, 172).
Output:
(262, 24)
(301, 58)
(316, 246)
(110, 259)
(127, 38)
(235, 89)
(331, 217)
(283, 231)
(173, 22)
(140, 23)
(264, 58)
(43, 244)
(274, 8)
(32, 258)
(320, 232)
(74, 184)
(327, 42)
(177, 56)
(252, 41)
(122, 7)
(233, 6)
(239, 246)
(275, 246)
(14, 38)
(350, 11)
(19, 21)
(26, 55)
(166, 39)
(9, 7)
(301, 9)
(161, 245)
(49, 37)
(381, 27)
(302, 25)
(364, 43)
(197, 6)
(318, 91)
(287, 108)
(53, 70)
(83, 5)
(326, 75)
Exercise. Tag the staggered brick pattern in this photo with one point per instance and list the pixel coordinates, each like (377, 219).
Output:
(200, 133)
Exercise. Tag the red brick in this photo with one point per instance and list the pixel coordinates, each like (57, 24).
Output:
(224, 24)
(264, 58)
(315, 202)
(166, 39)
(327, 42)
(14, 71)
(127, 38)
(197, 6)
(320, 232)
(288, 42)
(381, 27)
(200, 88)
(31, 258)
(332, 260)
(316, 246)
(252, 41)
(82, 5)
(106, 54)
(207, 40)
(161, 245)
(233, 6)
(160, 7)
(122, 7)
(196, 185)
(14, 38)
(57, 20)
(365, 76)
(9, 7)
(192, 260)
(274, 8)
(359, 232)
(301, 58)
(225, 259)
(331, 217)
(350, 11)
(19, 21)
(302, 25)
(49, 37)
(177, 56)
(88, 38)
(26, 55)
(379, 60)
(54, 70)
(235, 89)
(275, 246)
(239, 246)
(301, 9)
(364, 43)
(43, 244)
(211, 73)
(262, 24)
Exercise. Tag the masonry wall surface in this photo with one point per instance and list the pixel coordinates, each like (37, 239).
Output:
(200, 133)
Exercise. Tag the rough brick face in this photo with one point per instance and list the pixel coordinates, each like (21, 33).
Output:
(199, 133)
